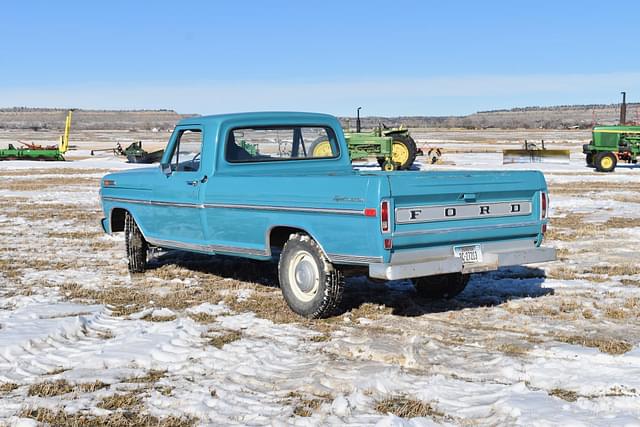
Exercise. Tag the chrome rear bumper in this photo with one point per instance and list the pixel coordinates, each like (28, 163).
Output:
(451, 264)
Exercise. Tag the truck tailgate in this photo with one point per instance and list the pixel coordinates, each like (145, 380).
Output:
(462, 207)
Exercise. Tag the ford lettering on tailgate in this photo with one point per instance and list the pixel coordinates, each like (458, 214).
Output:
(463, 211)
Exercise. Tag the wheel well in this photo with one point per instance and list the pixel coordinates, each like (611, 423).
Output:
(117, 219)
(278, 236)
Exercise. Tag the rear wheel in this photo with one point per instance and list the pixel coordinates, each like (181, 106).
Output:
(605, 161)
(441, 286)
(136, 245)
(321, 148)
(403, 151)
(310, 284)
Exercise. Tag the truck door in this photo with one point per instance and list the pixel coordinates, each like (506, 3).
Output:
(177, 206)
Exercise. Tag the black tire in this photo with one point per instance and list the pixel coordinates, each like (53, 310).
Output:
(410, 146)
(605, 161)
(445, 286)
(136, 245)
(589, 159)
(302, 260)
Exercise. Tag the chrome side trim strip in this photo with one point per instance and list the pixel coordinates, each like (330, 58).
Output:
(354, 259)
(234, 206)
(152, 202)
(206, 248)
(466, 229)
(284, 208)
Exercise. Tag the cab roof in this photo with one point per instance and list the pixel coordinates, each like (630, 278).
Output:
(262, 118)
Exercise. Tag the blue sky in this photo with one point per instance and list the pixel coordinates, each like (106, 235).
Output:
(390, 57)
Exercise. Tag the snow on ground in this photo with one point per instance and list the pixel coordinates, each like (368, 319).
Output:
(208, 341)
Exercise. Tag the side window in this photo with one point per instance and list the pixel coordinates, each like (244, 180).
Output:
(186, 151)
(264, 144)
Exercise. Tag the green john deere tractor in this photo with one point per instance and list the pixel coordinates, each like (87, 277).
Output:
(393, 147)
(611, 144)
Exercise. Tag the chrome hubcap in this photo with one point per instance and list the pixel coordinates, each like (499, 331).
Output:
(304, 276)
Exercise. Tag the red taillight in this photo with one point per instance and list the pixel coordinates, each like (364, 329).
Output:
(544, 201)
(388, 243)
(370, 212)
(544, 228)
(384, 216)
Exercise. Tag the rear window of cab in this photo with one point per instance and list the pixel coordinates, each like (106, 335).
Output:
(281, 143)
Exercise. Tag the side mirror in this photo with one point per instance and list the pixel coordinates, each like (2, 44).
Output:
(165, 168)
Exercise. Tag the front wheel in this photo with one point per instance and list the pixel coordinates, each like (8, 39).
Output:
(136, 245)
(605, 161)
(310, 284)
(589, 159)
(441, 286)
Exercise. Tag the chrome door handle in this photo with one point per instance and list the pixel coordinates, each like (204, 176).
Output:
(193, 183)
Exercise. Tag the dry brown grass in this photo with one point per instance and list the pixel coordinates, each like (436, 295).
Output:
(568, 395)
(220, 339)
(91, 387)
(371, 311)
(61, 171)
(320, 338)
(156, 318)
(50, 388)
(615, 313)
(630, 282)
(534, 309)
(616, 270)
(119, 419)
(203, 317)
(58, 387)
(269, 304)
(513, 349)
(563, 254)
(152, 376)
(569, 306)
(605, 345)
(75, 235)
(405, 407)
(305, 406)
(120, 401)
(574, 226)
(59, 182)
(598, 273)
(125, 300)
(57, 371)
(579, 189)
(563, 273)
(56, 212)
(8, 387)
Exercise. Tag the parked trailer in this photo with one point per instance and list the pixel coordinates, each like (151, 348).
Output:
(38, 152)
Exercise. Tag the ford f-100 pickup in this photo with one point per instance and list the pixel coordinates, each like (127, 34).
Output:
(247, 185)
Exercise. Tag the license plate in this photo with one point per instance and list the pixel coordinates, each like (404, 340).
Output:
(470, 254)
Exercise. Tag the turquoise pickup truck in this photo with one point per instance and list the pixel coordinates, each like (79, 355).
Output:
(248, 185)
